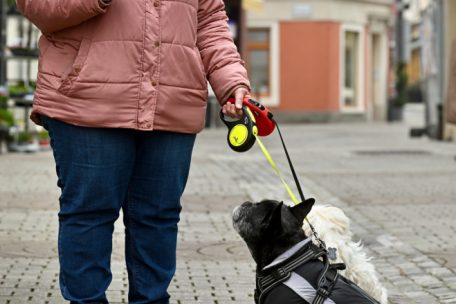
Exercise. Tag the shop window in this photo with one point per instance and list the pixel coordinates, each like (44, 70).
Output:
(351, 69)
(258, 63)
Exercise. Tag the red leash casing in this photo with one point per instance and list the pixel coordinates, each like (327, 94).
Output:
(263, 116)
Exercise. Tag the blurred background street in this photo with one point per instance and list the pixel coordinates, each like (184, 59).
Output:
(365, 91)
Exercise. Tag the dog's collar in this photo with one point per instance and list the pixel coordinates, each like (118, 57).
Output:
(287, 254)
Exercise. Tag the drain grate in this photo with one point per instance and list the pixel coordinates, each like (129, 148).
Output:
(392, 152)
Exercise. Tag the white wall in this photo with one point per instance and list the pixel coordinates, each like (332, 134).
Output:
(346, 11)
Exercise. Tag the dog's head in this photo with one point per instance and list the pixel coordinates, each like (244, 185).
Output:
(270, 227)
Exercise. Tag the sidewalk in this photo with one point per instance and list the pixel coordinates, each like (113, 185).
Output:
(400, 194)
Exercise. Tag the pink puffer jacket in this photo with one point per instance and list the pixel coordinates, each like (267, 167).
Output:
(139, 64)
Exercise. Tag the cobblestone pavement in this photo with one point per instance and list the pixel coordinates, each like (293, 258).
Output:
(400, 194)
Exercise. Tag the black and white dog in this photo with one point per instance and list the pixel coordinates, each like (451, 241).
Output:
(290, 268)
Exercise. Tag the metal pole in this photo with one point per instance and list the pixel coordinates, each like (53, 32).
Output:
(441, 19)
(399, 31)
(3, 8)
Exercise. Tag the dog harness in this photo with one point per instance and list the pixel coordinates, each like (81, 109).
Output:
(281, 271)
(296, 269)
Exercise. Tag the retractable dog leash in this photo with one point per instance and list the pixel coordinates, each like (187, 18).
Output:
(258, 121)
(242, 132)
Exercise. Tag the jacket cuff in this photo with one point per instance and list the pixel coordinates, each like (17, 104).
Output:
(226, 80)
(230, 93)
(103, 4)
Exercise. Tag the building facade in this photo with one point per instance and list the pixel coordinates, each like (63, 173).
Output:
(436, 68)
(450, 70)
(315, 60)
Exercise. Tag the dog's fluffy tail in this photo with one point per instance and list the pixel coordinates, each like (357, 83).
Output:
(333, 227)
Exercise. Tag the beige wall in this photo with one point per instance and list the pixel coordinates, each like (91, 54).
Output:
(450, 29)
(350, 11)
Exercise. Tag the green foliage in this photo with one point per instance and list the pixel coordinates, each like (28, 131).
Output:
(18, 89)
(6, 118)
(24, 137)
(401, 85)
(3, 101)
(11, 2)
(43, 135)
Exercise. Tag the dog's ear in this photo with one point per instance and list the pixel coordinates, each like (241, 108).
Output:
(275, 218)
(301, 210)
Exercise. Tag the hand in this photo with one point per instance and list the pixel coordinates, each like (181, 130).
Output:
(235, 110)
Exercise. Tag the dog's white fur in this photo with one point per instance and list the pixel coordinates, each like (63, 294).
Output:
(333, 227)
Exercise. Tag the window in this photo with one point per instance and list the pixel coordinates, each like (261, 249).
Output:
(258, 63)
(351, 67)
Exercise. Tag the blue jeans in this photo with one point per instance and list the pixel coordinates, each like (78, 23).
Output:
(101, 171)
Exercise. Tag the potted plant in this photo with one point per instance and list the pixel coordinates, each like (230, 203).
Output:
(12, 8)
(43, 139)
(18, 90)
(24, 137)
(396, 105)
(6, 118)
(6, 122)
(3, 101)
(25, 141)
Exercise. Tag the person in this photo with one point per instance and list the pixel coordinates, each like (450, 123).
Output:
(122, 89)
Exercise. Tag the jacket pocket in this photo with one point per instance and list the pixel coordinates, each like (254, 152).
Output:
(43, 46)
(71, 74)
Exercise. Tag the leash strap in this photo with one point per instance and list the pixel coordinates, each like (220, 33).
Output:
(295, 177)
(276, 169)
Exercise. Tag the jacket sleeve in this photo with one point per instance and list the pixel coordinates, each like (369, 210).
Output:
(55, 15)
(223, 65)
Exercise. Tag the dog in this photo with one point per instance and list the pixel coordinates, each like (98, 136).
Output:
(290, 268)
(333, 226)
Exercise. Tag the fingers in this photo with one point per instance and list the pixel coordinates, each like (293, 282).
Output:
(235, 110)
(230, 110)
(239, 97)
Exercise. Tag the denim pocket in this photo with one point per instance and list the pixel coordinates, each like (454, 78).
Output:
(44, 121)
